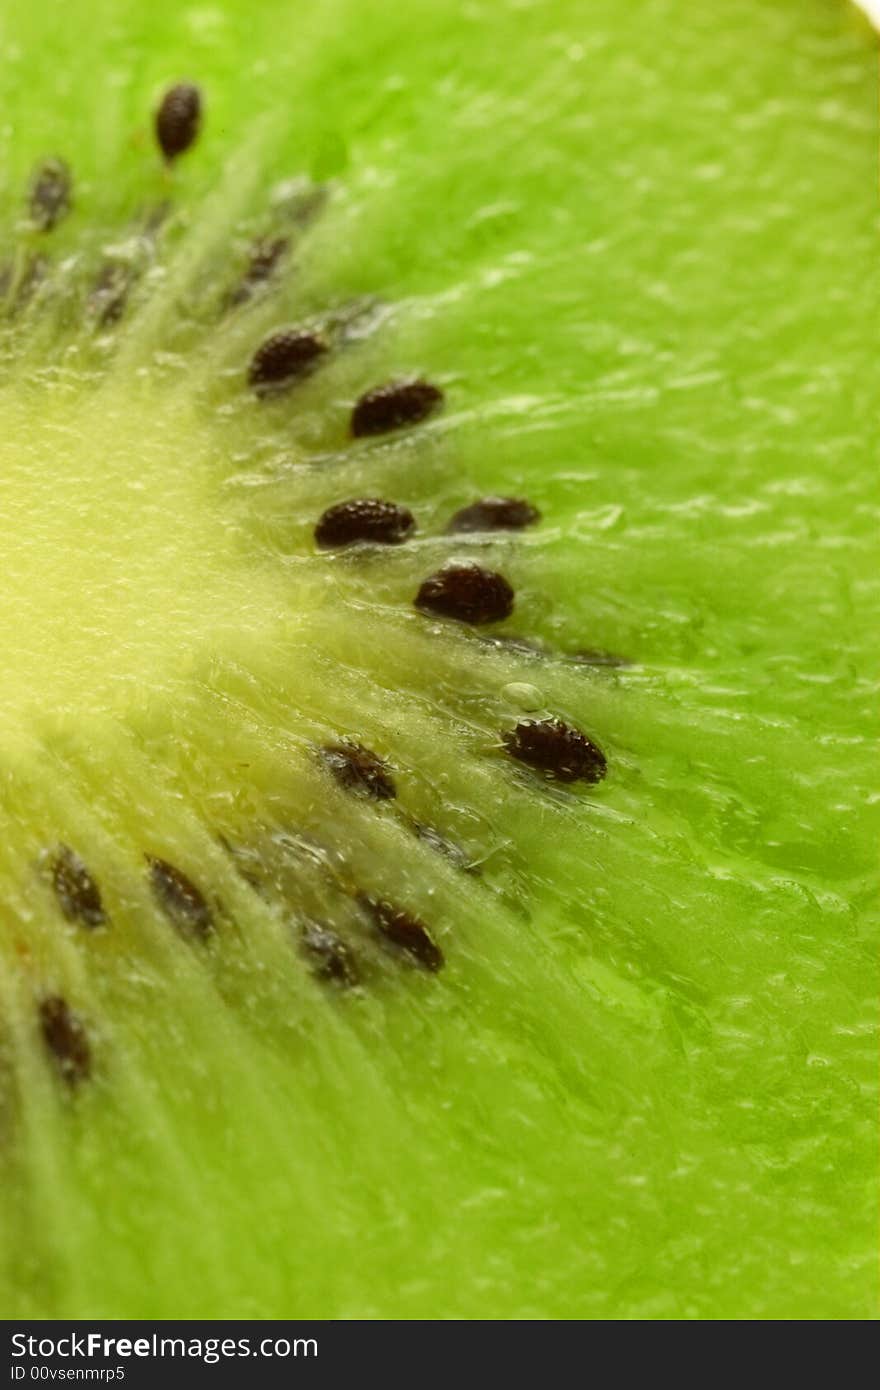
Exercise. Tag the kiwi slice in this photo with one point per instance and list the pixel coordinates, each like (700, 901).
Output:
(436, 481)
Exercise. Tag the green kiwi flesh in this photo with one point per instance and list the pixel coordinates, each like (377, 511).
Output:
(409, 916)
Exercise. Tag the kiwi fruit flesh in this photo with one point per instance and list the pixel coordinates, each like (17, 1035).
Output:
(498, 956)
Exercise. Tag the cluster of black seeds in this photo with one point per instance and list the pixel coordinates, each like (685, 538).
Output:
(376, 521)
(80, 900)
(461, 590)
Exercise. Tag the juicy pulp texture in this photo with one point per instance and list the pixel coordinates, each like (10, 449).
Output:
(119, 569)
(636, 254)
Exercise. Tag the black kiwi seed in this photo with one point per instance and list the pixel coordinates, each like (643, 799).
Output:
(109, 293)
(178, 118)
(522, 646)
(532, 646)
(364, 519)
(79, 896)
(283, 358)
(299, 203)
(35, 272)
(597, 656)
(467, 592)
(404, 931)
(557, 749)
(265, 259)
(153, 219)
(494, 514)
(359, 770)
(330, 958)
(430, 836)
(393, 406)
(50, 194)
(179, 898)
(65, 1037)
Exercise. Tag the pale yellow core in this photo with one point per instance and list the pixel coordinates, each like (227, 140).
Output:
(122, 563)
